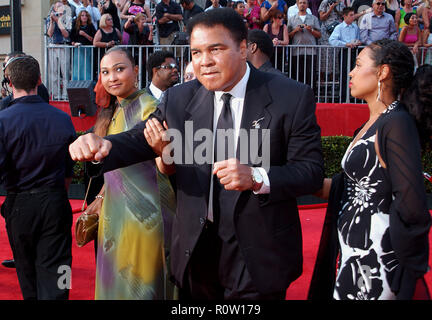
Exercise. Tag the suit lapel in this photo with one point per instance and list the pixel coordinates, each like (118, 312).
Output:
(200, 112)
(255, 115)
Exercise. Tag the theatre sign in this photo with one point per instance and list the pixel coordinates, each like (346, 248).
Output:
(5, 20)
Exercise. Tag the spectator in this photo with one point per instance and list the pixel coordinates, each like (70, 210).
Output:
(7, 98)
(391, 7)
(406, 7)
(74, 4)
(330, 14)
(347, 35)
(304, 29)
(190, 8)
(377, 25)
(215, 4)
(3, 93)
(252, 14)
(107, 36)
(427, 42)
(361, 7)
(427, 14)
(59, 26)
(140, 32)
(411, 35)
(277, 30)
(94, 12)
(313, 6)
(82, 33)
(268, 8)
(68, 9)
(260, 51)
(111, 7)
(293, 10)
(132, 8)
(168, 14)
(223, 3)
(189, 73)
(162, 71)
(36, 171)
(239, 7)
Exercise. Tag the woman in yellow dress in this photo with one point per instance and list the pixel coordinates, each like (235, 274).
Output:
(137, 199)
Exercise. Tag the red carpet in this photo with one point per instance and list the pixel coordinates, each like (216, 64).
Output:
(83, 264)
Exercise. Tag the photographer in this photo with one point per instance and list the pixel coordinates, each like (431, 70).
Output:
(330, 14)
(59, 26)
(304, 29)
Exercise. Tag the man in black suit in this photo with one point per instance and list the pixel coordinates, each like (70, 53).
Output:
(260, 51)
(162, 70)
(237, 233)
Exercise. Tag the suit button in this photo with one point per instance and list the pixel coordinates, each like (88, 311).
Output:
(187, 253)
(202, 221)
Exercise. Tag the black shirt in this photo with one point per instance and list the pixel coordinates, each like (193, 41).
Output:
(165, 29)
(34, 142)
(188, 14)
(76, 37)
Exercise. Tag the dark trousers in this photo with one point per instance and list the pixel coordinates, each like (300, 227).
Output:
(345, 68)
(217, 271)
(39, 230)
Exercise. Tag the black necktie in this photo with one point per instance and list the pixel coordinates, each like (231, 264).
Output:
(225, 122)
(222, 203)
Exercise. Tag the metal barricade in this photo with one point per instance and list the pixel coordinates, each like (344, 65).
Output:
(325, 68)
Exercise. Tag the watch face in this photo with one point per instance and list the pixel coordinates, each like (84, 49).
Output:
(257, 176)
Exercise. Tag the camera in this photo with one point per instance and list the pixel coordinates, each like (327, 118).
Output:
(57, 14)
(330, 2)
(102, 2)
(302, 26)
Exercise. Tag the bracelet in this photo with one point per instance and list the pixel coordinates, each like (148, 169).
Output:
(99, 196)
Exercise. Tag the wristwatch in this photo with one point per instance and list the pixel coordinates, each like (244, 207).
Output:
(257, 179)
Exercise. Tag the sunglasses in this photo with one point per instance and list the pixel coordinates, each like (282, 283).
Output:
(169, 66)
(380, 3)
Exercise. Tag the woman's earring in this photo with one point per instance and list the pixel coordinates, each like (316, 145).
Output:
(379, 91)
(136, 83)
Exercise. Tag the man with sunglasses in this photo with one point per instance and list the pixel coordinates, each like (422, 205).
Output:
(377, 24)
(162, 72)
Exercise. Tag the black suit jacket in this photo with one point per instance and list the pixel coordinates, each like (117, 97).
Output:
(267, 226)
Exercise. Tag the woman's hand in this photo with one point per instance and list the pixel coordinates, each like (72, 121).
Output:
(95, 207)
(154, 134)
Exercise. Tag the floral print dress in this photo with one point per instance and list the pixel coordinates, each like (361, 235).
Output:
(367, 260)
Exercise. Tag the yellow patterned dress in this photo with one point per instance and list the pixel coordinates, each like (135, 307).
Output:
(130, 260)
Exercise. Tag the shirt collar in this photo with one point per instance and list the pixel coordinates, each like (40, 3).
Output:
(157, 93)
(239, 90)
(26, 99)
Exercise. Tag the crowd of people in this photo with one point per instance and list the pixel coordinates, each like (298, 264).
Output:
(222, 228)
(330, 23)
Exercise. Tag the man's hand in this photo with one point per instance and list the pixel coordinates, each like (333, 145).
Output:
(233, 175)
(89, 147)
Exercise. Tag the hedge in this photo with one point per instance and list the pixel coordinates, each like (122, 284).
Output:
(333, 150)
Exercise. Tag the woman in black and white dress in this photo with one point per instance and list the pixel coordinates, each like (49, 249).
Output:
(383, 220)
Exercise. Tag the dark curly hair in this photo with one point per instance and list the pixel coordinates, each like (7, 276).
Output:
(418, 100)
(398, 57)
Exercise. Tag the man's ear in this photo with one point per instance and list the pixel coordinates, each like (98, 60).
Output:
(243, 48)
(39, 82)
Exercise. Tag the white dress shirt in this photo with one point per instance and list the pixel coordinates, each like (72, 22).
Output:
(157, 93)
(237, 103)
